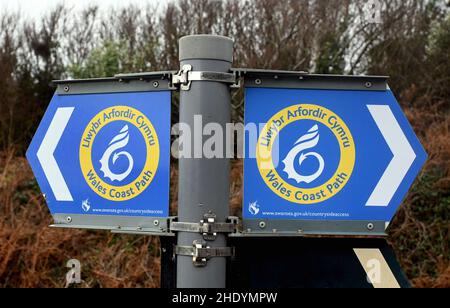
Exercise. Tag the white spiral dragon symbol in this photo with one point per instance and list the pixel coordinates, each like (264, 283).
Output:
(308, 141)
(117, 143)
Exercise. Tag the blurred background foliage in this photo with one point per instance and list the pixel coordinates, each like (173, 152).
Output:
(411, 44)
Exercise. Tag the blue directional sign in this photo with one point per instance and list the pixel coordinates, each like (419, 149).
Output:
(327, 155)
(104, 155)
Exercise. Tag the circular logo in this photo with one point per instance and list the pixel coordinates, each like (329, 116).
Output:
(119, 153)
(306, 154)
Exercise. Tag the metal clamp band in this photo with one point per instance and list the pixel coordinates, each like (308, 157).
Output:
(201, 253)
(212, 76)
(185, 77)
(208, 227)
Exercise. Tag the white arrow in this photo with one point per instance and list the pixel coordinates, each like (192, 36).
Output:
(404, 156)
(46, 152)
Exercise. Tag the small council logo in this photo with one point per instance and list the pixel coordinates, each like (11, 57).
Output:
(119, 153)
(254, 208)
(86, 205)
(320, 155)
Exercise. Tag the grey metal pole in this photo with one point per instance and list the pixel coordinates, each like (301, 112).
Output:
(204, 183)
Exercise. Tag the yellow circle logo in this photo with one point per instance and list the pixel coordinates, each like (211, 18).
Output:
(114, 149)
(303, 150)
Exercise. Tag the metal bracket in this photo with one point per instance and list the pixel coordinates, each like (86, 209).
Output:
(185, 77)
(201, 253)
(182, 78)
(208, 226)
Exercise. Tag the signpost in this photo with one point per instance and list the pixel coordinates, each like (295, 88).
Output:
(331, 155)
(204, 184)
(334, 155)
(101, 157)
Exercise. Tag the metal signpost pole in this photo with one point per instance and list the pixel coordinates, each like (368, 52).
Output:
(203, 182)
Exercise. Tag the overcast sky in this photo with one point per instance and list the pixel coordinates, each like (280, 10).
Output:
(37, 8)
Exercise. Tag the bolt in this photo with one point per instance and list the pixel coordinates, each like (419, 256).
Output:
(370, 226)
(258, 81)
(156, 223)
(155, 84)
(66, 89)
(69, 219)
(262, 225)
(368, 84)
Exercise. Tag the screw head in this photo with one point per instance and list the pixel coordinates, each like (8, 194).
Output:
(371, 226)
(155, 84)
(66, 88)
(69, 219)
(258, 81)
(262, 225)
(368, 84)
(156, 223)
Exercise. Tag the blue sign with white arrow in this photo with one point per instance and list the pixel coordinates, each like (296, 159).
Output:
(105, 154)
(327, 155)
